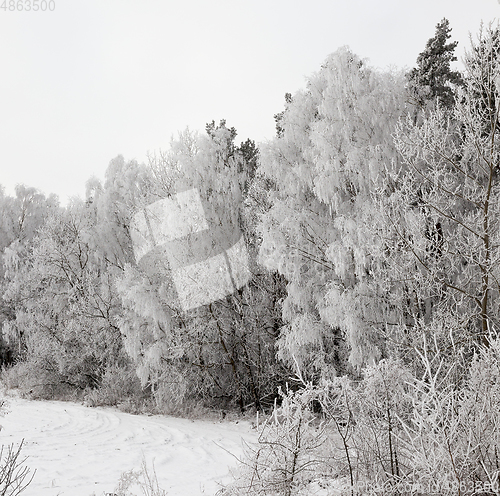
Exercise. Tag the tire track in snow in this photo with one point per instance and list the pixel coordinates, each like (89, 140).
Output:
(78, 451)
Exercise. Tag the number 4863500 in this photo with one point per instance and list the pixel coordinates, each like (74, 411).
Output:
(27, 5)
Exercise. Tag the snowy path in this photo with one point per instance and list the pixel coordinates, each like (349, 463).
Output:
(80, 451)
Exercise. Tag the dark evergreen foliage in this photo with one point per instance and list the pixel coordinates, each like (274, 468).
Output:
(431, 79)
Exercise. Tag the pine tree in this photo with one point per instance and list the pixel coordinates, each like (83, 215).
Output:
(431, 79)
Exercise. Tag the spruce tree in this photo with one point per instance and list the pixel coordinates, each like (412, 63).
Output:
(430, 80)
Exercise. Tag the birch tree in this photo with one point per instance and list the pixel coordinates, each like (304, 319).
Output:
(65, 306)
(334, 142)
(21, 217)
(189, 341)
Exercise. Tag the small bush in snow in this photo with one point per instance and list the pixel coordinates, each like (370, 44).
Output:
(390, 433)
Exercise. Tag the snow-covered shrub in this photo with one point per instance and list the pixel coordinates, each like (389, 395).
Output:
(171, 390)
(480, 415)
(119, 386)
(386, 434)
(37, 379)
(381, 408)
(453, 436)
(339, 431)
(289, 450)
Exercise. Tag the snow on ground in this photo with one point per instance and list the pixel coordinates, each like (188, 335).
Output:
(80, 451)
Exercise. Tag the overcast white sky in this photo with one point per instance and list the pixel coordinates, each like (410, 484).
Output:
(97, 78)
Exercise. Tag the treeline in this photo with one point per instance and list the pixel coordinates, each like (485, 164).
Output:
(80, 318)
(371, 221)
(383, 217)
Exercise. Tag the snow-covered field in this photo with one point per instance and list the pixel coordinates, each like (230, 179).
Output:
(80, 451)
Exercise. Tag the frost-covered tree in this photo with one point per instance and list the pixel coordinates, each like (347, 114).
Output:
(482, 63)
(329, 157)
(219, 348)
(110, 204)
(433, 77)
(442, 217)
(65, 306)
(21, 216)
(62, 291)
